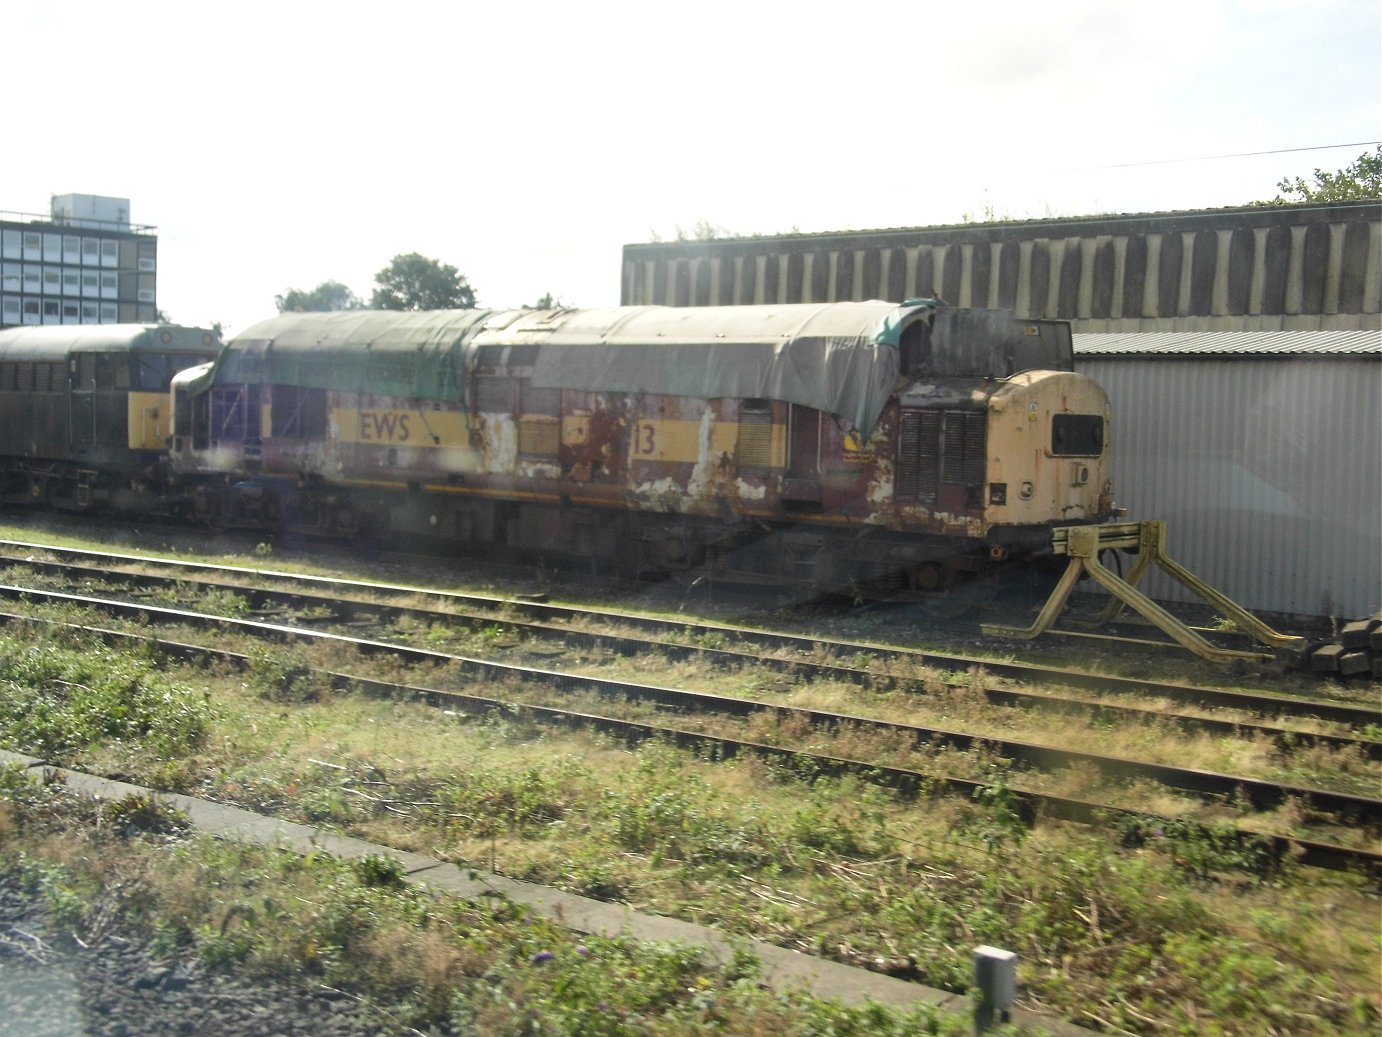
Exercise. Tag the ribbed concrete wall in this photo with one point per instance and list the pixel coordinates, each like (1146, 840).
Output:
(1288, 268)
(1269, 473)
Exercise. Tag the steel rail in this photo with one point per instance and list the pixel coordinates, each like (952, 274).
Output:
(347, 609)
(1034, 805)
(1215, 786)
(1256, 703)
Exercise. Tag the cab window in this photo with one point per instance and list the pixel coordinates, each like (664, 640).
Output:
(1077, 435)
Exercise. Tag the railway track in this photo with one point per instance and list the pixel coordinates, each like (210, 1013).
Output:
(1345, 809)
(348, 601)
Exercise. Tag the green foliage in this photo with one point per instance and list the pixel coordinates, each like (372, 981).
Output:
(143, 813)
(379, 870)
(1000, 823)
(414, 282)
(66, 896)
(492, 800)
(1359, 180)
(282, 675)
(1203, 850)
(326, 297)
(668, 813)
(815, 826)
(58, 700)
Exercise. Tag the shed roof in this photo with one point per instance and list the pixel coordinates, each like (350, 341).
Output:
(1227, 344)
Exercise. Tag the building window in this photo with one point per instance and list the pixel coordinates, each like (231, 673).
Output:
(71, 282)
(91, 313)
(91, 251)
(52, 280)
(146, 295)
(10, 246)
(71, 313)
(71, 248)
(110, 286)
(33, 245)
(110, 252)
(91, 284)
(9, 311)
(108, 313)
(33, 279)
(52, 248)
(12, 277)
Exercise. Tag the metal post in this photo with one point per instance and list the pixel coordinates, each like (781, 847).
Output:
(995, 978)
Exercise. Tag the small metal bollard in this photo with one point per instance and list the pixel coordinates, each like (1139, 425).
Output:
(995, 977)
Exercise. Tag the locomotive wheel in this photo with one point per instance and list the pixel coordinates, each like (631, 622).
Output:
(928, 577)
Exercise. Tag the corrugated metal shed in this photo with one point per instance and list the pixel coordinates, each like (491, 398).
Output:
(1231, 343)
(1264, 454)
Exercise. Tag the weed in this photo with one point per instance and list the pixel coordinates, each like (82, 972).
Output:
(60, 700)
(283, 675)
(379, 870)
(143, 813)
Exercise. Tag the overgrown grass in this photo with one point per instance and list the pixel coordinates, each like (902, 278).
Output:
(1174, 933)
(424, 961)
(61, 696)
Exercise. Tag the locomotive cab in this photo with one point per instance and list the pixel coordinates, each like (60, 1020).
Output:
(1049, 454)
(84, 416)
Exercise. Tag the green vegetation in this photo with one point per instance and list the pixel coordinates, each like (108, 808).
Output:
(1360, 180)
(409, 282)
(484, 967)
(414, 282)
(1166, 930)
(59, 700)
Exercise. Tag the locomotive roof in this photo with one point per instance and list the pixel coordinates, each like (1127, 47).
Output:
(837, 357)
(54, 341)
(841, 357)
(415, 353)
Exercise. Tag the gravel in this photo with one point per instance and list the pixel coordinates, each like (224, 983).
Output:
(117, 987)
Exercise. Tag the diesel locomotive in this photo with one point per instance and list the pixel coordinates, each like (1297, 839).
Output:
(865, 445)
(84, 412)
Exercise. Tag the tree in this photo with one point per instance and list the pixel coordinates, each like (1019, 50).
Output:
(326, 297)
(1361, 179)
(547, 302)
(414, 282)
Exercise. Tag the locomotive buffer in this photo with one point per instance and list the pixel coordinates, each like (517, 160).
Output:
(1083, 545)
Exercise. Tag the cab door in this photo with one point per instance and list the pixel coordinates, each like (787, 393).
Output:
(82, 412)
(802, 484)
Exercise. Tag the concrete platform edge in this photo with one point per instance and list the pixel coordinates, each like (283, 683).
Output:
(783, 969)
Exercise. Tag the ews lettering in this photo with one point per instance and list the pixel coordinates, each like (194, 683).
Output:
(384, 426)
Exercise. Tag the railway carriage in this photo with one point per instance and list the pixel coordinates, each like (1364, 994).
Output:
(84, 411)
(864, 445)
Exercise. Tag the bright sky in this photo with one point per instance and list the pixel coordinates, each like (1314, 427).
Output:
(279, 145)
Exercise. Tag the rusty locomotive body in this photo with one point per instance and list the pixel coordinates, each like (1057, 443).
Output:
(845, 444)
